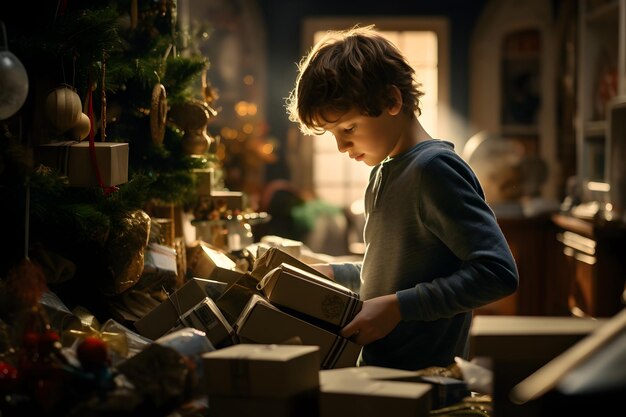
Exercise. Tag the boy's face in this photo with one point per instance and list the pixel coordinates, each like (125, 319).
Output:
(367, 139)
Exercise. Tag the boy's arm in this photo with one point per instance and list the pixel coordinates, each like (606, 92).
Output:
(347, 274)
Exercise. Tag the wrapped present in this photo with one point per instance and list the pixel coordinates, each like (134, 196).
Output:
(206, 317)
(166, 316)
(73, 160)
(261, 322)
(310, 297)
(374, 398)
(236, 296)
(204, 259)
(303, 405)
(244, 370)
(273, 257)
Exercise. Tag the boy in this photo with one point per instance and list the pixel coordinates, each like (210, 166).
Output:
(434, 251)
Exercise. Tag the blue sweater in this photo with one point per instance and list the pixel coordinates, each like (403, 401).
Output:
(431, 239)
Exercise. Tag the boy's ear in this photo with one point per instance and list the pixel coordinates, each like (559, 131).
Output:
(396, 100)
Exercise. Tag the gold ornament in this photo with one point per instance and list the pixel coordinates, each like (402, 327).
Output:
(193, 118)
(81, 129)
(158, 114)
(63, 108)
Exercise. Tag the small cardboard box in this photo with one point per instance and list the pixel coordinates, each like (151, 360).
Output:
(232, 200)
(374, 398)
(204, 259)
(236, 296)
(309, 296)
(206, 316)
(273, 257)
(445, 391)
(166, 316)
(261, 322)
(261, 370)
(303, 405)
(73, 159)
(517, 346)
(367, 372)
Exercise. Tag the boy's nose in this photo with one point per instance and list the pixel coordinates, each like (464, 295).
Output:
(343, 145)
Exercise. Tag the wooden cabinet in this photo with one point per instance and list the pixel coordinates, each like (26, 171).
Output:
(594, 267)
(542, 290)
(600, 91)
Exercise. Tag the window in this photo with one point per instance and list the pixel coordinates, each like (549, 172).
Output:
(340, 180)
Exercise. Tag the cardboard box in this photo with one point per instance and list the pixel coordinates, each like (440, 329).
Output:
(445, 391)
(273, 257)
(292, 247)
(367, 372)
(303, 405)
(73, 159)
(309, 296)
(517, 346)
(232, 200)
(206, 316)
(166, 316)
(374, 398)
(261, 370)
(204, 259)
(261, 322)
(236, 296)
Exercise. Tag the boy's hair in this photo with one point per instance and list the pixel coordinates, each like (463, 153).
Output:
(351, 69)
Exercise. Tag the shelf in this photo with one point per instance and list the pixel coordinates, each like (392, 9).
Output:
(595, 128)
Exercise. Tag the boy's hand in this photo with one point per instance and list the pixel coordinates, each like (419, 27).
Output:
(377, 318)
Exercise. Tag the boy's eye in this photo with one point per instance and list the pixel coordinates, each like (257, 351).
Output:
(349, 129)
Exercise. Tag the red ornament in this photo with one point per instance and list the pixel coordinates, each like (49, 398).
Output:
(8, 377)
(93, 353)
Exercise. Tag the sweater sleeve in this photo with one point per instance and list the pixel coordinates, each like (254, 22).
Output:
(348, 274)
(453, 208)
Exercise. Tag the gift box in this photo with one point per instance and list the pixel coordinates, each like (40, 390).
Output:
(302, 405)
(374, 398)
(261, 370)
(73, 160)
(203, 260)
(445, 390)
(273, 257)
(231, 200)
(292, 247)
(236, 296)
(310, 297)
(517, 346)
(206, 317)
(261, 322)
(167, 315)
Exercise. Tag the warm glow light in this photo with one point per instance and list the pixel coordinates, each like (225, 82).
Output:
(252, 109)
(248, 128)
(267, 148)
(241, 108)
(248, 79)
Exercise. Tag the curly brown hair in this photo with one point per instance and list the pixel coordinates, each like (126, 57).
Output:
(347, 69)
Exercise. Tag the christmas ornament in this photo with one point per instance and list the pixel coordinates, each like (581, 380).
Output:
(81, 129)
(93, 354)
(158, 114)
(193, 117)
(13, 81)
(63, 108)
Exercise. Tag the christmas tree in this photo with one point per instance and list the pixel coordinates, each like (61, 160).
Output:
(114, 72)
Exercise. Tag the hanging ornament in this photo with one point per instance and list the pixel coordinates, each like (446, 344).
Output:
(81, 129)
(193, 117)
(158, 114)
(13, 80)
(63, 108)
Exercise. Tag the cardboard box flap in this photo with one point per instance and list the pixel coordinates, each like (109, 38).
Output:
(274, 257)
